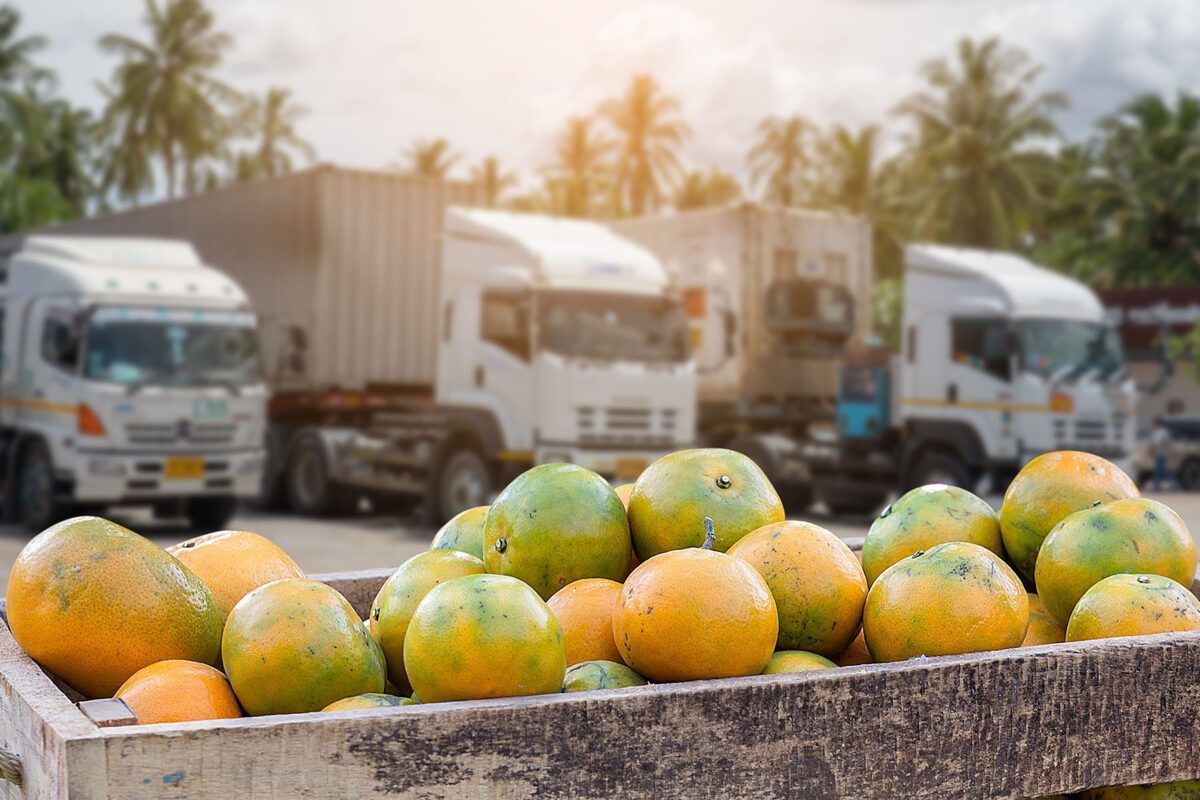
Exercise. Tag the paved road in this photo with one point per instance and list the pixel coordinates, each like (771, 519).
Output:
(367, 542)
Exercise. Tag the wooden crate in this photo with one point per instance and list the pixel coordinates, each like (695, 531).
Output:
(1010, 724)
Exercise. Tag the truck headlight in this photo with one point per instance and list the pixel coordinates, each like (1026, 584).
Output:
(106, 467)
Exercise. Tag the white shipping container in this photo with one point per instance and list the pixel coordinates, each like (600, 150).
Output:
(731, 262)
(352, 257)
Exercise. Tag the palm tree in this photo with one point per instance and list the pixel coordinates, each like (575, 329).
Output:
(700, 189)
(850, 175)
(1138, 185)
(15, 66)
(272, 121)
(432, 158)
(976, 143)
(579, 170)
(164, 96)
(650, 134)
(780, 158)
(493, 180)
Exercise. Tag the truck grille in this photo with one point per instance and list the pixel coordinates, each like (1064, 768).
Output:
(1090, 430)
(645, 427)
(204, 433)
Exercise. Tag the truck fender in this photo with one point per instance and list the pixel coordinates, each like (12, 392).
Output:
(956, 438)
(477, 424)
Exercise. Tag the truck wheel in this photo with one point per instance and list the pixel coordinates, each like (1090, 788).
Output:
(464, 481)
(36, 502)
(939, 468)
(1189, 474)
(207, 514)
(310, 489)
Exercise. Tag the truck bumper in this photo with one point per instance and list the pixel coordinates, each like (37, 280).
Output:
(116, 477)
(618, 465)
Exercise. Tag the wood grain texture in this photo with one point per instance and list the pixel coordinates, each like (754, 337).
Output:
(108, 712)
(61, 752)
(359, 588)
(1010, 724)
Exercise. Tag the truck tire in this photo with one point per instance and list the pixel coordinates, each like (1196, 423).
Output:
(464, 481)
(938, 467)
(208, 514)
(311, 490)
(1189, 474)
(37, 503)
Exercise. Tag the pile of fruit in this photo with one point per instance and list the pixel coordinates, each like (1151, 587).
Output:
(567, 584)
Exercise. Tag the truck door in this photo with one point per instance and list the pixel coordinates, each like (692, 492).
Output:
(502, 376)
(979, 383)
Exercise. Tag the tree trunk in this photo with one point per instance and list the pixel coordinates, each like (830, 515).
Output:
(169, 156)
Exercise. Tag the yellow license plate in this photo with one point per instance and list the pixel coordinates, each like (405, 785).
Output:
(628, 469)
(185, 468)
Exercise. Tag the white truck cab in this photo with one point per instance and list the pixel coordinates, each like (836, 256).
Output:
(568, 336)
(129, 373)
(1003, 360)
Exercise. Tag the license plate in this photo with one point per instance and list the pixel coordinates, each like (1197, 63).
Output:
(185, 468)
(628, 469)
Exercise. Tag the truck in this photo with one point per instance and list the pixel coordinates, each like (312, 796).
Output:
(129, 373)
(421, 351)
(1000, 360)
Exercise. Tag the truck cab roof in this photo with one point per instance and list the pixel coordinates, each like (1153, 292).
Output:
(1005, 281)
(561, 253)
(125, 267)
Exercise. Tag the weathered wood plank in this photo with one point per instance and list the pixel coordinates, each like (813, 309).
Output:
(1010, 724)
(108, 712)
(60, 751)
(359, 587)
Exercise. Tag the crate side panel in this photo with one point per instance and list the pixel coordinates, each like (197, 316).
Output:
(60, 751)
(1014, 724)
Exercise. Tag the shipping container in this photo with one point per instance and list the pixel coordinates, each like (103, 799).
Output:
(350, 257)
(773, 293)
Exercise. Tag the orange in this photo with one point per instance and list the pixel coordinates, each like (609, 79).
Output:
(585, 611)
(1132, 605)
(179, 691)
(694, 614)
(817, 583)
(623, 491)
(926, 516)
(1049, 488)
(956, 597)
(370, 700)
(234, 563)
(1176, 790)
(675, 493)
(795, 661)
(856, 653)
(464, 532)
(483, 636)
(1136, 535)
(400, 595)
(94, 602)
(1043, 627)
(297, 645)
(554, 524)
(589, 676)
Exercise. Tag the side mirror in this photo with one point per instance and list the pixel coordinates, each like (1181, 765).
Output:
(299, 338)
(730, 332)
(297, 363)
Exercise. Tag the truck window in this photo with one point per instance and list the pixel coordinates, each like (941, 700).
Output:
(505, 322)
(982, 344)
(60, 339)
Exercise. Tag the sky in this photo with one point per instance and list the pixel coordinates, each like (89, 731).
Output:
(501, 78)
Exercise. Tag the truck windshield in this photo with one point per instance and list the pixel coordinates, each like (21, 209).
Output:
(1069, 348)
(172, 347)
(613, 326)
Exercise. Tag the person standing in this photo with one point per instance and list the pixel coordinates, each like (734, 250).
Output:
(1160, 444)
